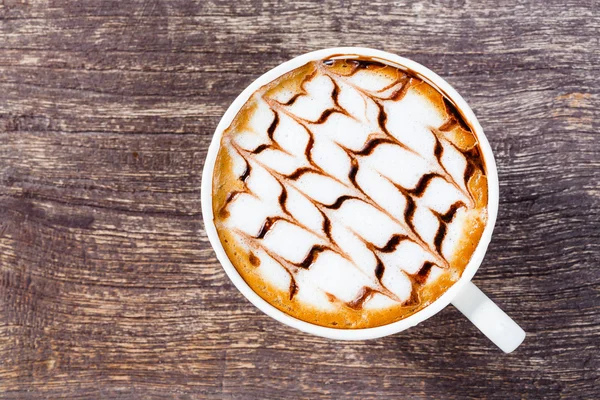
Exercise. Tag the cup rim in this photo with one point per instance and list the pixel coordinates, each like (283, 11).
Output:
(341, 333)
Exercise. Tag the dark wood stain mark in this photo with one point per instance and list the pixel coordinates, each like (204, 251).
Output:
(24, 210)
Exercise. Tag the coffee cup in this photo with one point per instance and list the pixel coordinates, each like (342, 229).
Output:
(463, 294)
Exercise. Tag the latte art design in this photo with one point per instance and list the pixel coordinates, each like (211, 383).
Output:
(349, 193)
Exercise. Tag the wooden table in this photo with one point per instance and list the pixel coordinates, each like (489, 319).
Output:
(108, 285)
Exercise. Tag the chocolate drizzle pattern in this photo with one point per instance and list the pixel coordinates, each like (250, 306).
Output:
(393, 92)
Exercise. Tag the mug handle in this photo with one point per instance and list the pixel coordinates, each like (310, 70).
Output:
(489, 318)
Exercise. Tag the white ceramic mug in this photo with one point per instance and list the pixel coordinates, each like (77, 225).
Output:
(464, 295)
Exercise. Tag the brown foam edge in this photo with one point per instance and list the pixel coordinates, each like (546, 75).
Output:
(344, 317)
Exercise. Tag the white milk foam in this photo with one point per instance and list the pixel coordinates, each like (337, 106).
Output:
(342, 257)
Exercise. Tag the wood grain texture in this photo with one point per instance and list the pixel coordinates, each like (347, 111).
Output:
(108, 285)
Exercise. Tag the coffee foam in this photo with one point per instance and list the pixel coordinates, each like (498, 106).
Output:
(349, 193)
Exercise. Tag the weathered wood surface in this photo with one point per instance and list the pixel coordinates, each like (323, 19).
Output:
(108, 285)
